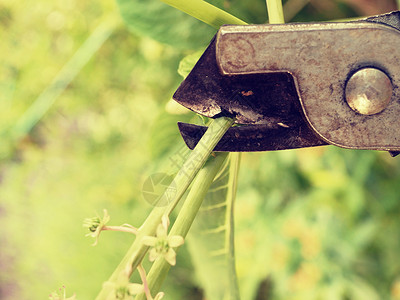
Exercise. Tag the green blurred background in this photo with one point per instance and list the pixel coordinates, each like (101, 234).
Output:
(86, 117)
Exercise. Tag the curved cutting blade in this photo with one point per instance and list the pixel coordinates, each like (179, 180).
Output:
(267, 103)
(254, 138)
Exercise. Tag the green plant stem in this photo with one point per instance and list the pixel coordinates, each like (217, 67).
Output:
(181, 182)
(235, 159)
(143, 277)
(185, 218)
(198, 157)
(275, 12)
(120, 229)
(205, 12)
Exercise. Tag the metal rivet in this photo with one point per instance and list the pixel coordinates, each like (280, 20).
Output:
(368, 91)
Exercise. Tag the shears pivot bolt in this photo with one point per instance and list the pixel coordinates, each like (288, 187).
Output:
(368, 91)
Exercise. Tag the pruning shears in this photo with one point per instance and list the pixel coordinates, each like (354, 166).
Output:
(300, 85)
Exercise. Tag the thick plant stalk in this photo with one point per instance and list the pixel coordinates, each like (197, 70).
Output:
(185, 218)
(198, 157)
(181, 182)
(233, 176)
(275, 12)
(205, 12)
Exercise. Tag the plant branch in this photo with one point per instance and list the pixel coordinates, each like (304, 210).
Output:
(121, 229)
(181, 182)
(235, 159)
(275, 12)
(198, 157)
(185, 218)
(142, 274)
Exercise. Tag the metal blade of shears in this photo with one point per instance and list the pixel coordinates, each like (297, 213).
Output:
(286, 84)
(267, 103)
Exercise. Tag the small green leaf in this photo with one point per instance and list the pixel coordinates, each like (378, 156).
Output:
(164, 23)
(177, 27)
(210, 14)
(219, 12)
(187, 63)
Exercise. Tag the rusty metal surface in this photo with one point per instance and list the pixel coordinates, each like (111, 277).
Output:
(268, 102)
(255, 138)
(391, 19)
(321, 58)
(269, 98)
(247, 72)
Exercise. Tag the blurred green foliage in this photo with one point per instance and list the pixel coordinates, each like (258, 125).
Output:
(310, 224)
